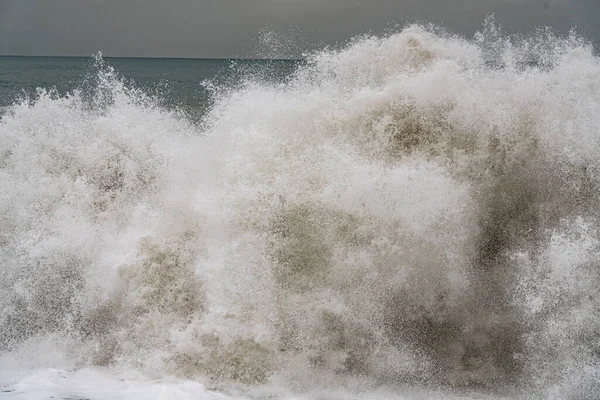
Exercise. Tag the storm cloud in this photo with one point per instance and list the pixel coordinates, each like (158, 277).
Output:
(248, 28)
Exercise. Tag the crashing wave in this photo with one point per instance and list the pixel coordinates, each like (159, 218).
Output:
(415, 209)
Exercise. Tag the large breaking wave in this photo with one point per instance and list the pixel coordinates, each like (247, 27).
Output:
(418, 209)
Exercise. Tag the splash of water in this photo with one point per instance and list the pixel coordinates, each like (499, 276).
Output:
(416, 209)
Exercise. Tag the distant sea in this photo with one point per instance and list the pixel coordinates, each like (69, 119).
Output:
(177, 82)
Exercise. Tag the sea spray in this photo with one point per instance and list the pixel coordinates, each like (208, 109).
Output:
(418, 209)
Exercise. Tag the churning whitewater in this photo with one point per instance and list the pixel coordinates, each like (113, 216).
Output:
(413, 211)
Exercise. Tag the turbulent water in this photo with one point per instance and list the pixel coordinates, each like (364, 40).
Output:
(410, 216)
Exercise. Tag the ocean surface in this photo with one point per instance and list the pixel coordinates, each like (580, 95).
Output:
(183, 84)
(414, 216)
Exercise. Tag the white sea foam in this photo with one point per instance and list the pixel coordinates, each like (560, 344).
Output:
(414, 210)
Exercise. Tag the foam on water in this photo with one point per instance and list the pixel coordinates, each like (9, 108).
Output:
(413, 210)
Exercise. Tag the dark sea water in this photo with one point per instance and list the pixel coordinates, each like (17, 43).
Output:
(410, 216)
(176, 82)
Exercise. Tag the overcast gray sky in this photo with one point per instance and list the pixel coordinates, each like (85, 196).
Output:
(233, 28)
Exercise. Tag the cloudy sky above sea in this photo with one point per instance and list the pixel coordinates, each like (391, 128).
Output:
(257, 28)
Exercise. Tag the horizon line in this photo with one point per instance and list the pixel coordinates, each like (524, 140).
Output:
(157, 58)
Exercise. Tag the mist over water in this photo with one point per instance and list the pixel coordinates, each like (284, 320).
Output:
(417, 210)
